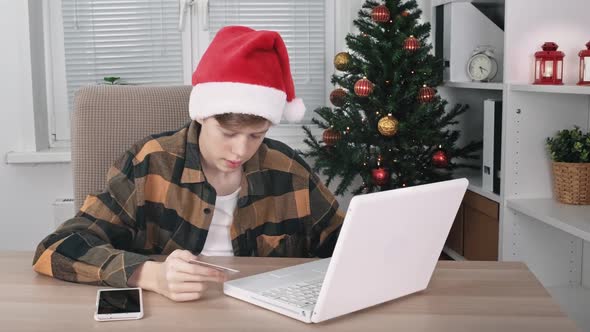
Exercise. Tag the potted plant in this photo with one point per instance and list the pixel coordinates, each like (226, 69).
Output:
(113, 80)
(570, 154)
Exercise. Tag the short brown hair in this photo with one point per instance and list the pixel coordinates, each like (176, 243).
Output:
(235, 120)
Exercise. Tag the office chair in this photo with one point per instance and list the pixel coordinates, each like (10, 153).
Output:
(107, 120)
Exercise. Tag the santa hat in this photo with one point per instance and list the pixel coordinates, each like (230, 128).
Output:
(245, 71)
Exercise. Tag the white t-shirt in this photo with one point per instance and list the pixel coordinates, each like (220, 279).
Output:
(218, 242)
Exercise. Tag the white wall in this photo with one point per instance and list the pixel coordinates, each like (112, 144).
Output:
(26, 192)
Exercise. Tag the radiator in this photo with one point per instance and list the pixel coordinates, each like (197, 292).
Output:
(63, 209)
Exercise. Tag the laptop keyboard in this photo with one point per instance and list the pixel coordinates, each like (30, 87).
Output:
(300, 294)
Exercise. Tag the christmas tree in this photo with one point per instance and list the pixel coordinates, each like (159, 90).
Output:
(388, 124)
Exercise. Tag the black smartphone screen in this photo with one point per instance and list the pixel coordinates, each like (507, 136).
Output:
(119, 301)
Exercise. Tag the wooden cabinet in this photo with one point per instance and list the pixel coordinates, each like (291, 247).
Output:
(480, 228)
(455, 239)
(474, 234)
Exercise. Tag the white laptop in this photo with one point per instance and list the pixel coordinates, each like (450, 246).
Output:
(388, 246)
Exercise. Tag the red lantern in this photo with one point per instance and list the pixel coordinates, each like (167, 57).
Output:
(331, 136)
(380, 176)
(411, 44)
(380, 14)
(426, 94)
(363, 87)
(549, 65)
(585, 65)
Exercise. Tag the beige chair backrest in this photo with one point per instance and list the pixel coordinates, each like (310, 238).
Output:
(107, 120)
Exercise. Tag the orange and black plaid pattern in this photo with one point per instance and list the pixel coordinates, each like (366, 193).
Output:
(158, 200)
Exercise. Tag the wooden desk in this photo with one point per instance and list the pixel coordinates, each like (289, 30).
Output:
(462, 296)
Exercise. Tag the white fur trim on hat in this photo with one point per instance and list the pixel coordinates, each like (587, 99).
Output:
(294, 110)
(208, 99)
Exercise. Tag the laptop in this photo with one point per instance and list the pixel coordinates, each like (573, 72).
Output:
(388, 247)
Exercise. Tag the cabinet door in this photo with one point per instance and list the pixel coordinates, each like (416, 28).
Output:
(481, 228)
(455, 239)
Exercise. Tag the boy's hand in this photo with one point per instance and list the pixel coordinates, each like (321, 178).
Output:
(176, 278)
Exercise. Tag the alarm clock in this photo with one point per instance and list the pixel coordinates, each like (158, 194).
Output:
(482, 65)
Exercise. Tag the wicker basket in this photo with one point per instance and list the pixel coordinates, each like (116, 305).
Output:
(571, 182)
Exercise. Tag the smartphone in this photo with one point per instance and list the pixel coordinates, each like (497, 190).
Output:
(118, 304)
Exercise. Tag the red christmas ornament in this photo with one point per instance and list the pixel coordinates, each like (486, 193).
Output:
(411, 44)
(426, 94)
(380, 14)
(380, 176)
(406, 13)
(440, 159)
(331, 136)
(363, 87)
(337, 97)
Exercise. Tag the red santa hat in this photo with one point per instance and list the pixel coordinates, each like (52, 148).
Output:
(245, 71)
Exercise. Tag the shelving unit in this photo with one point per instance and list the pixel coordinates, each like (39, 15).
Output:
(571, 219)
(553, 239)
(475, 85)
(563, 89)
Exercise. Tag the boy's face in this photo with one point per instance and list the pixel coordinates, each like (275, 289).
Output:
(227, 149)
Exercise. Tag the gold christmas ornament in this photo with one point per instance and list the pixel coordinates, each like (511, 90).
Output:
(388, 125)
(342, 61)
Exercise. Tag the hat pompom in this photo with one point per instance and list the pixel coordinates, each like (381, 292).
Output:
(294, 110)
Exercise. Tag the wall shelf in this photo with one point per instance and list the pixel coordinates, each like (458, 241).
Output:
(565, 89)
(572, 219)
(474, 85)
(442, 2)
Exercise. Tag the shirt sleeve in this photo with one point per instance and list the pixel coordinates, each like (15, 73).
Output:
(93, 246)
(326, 218)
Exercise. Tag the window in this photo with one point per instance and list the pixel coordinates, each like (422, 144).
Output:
(301, 23)
(140, 42)
(136, 40)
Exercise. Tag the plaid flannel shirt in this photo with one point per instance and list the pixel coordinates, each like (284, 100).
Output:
(157, 200)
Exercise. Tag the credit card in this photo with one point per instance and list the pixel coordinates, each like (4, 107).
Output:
(215, 266)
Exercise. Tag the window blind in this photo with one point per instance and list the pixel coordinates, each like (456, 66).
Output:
(136, 40)
(302, 25)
